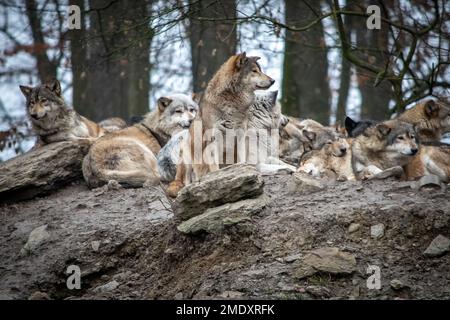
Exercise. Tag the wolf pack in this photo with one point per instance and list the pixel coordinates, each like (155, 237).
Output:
(237, 120)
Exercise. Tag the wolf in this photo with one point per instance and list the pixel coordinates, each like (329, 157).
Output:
(333, 160)
(224, 105)
(300, 136)
(431, 119)
(129, 155)
(52, 120)
(386, 145)
(355, 128)
(431, 159)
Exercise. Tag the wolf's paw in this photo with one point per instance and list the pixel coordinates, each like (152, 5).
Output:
(173, 188)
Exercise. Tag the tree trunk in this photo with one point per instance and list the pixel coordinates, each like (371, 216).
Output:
(305, 88)
(375, 100)
(113, 73)
(45, 67)
(212, 42)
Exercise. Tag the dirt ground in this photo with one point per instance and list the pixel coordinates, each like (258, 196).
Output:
(126, 244)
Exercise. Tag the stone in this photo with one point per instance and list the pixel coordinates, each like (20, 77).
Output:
(353, 227)
(397, 284)
(318, 291)
(303, 183)
(439, 246)
(328, 259)
(292, 258)
(35, 239)
(38, 295)
(231, 294)
(42, 170)
(428, 181)
(231, 184)
(377, 231)
(214, 220)
(95, 245)
(110, 286)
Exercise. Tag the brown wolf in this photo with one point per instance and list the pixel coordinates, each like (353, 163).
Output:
(333, 160)
(224, 105)
(386, 145)
(52, 120)
(129, 155)
(431, 119)
(431, 159)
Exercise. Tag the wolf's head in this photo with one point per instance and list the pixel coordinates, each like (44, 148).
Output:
(175, 112)
(267, 111)
(246, 73)
(318, 137)
(439, 112)
(399, 138)
(355, 128)
(43, 102)
(337, 148)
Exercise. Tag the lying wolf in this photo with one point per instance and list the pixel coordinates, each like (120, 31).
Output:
(431, 119)
(52, 120)
(389, 144)
(333, 160)
(431, 159)
(355, 128)
(129, 155)
(224, 105)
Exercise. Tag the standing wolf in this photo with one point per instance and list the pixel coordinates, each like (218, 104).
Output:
(129, 155)
(52, 120)
(224, 105)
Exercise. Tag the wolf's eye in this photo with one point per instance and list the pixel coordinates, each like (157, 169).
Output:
(43, 100)
(329, 142)
(179, 111)
(255, 71)
(401, 138)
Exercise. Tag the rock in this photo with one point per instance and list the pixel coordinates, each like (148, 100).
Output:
(214, 220)
(95, 245)
(231, 295)
(327, 259)
(41, 171)
(292, 258)
(231, 184)
(397, 284)
(438, 247)
(428, 181)
(38, 295)
(110, 286)
(318, 291)
(353, 227)
(36, 237)
(377, 231)
(303, 183)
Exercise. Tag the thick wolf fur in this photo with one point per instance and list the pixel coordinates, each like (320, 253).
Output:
(129, 155)
(431, 119)
(224, 105)
(52, 120)
(301, 136)
(389, 144)
(355, 128)
(113, 124)
(431, 159)
(264, 114)
(333, 160)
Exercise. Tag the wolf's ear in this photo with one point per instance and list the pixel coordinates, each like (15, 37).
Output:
(311, 136)
(241, 60)
(163, 102)
(349, 123)
(383, 130)
(26, 91)
(431, 109)
(273, 97)
(54, 86)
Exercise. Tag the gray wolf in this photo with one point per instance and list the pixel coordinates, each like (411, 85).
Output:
(386, 145)
(431, 159)
(333, 160)
(355, 128)
(129, 155)
(431, 119)
(224, 105)
(52, 120)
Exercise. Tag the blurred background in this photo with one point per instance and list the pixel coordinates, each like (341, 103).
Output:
(325, 60)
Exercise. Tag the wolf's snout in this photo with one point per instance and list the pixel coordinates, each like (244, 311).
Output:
(343, 150)
(272, 81)
(414, 151)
